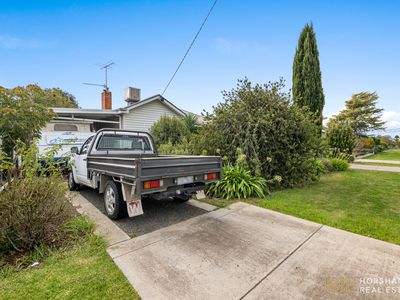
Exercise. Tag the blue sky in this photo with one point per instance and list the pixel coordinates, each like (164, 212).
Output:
(61, 44)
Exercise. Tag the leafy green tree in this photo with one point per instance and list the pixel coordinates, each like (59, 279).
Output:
(362, 113)
(276, 137)
(307, 82)
(21, 118)
(341, 136)
(387, 141)
(48, 97)
(169, 130)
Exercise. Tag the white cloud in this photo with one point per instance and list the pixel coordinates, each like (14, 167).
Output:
(392, 119)
(328, 116)
(9, 42)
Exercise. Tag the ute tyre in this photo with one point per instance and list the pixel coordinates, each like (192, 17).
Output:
(114, 204)
(182, 198)
(72, 185)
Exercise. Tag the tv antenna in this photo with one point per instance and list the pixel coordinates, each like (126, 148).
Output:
(105, 68)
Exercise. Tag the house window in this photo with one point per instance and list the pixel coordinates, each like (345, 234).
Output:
(65, 127)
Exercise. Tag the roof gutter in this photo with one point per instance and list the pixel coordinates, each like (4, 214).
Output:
(87, 120)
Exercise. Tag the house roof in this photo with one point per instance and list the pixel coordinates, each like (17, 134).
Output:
(115, 112)
(152, 99)
(102, 112)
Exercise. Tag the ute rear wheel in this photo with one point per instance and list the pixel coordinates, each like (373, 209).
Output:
(114, 204)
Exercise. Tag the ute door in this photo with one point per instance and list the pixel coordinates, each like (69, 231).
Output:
(81, 163)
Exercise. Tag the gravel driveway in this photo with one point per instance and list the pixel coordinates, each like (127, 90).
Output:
(157, 214)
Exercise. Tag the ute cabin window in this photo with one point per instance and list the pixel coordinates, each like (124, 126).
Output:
(124, 142)
(65, 127)
(85, 146)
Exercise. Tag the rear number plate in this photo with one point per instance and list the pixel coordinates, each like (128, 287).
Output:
(184, 180)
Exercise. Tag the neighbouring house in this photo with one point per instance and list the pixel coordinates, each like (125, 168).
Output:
(72, 126)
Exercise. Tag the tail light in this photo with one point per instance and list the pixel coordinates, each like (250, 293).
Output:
(210, 176)
(153, 184)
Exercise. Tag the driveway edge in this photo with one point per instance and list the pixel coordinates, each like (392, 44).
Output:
(104, 226)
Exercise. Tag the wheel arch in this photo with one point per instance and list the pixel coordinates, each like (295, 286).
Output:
(103, 182)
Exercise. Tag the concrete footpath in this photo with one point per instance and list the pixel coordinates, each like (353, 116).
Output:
(378, 161)
(247, 252)
(375, 168)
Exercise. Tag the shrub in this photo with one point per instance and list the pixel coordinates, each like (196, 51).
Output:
(183, 148)
(335, 153)
(339, 164)
(328, 165)
(388, 141)
(33, 207)
(191, 123)
(340, 135)
(319, 167)
(364, 145)
(238, 182)
(277, 137)
(169, 130)
(378, 149)
(32, 212)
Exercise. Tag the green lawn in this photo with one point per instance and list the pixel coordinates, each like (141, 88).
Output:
(85, 271)
(393, 154)
(364, 202)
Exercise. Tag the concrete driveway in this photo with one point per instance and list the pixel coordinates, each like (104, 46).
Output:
(158, 214)
(246, 252)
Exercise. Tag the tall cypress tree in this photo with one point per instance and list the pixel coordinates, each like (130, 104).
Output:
(307, 82)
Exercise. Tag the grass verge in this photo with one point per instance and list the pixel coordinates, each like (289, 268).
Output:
(363, 202)
(393, 154)
(81, 270)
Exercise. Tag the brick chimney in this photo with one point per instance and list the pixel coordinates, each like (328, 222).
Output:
(106, 100)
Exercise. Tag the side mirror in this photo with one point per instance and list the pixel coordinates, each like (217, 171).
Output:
(75, 150)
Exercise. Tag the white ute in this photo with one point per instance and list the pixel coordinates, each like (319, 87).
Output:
(124, 165)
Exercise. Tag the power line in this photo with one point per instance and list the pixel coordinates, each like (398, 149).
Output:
(190, 47)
